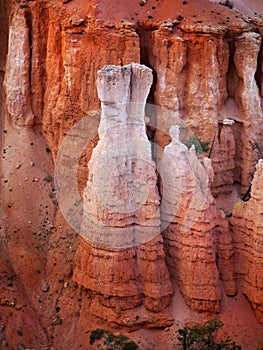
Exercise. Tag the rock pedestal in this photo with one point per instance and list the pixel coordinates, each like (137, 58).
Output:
(120, 258)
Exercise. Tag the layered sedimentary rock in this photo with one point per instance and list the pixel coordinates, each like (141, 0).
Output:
(247, 227)
(189, 213)
(247, 95)
(121, 257)
(225, 253)
(68, 46)
(207, 72)
(207, 65)
(223, 155)
(17, 81)
(75, 54)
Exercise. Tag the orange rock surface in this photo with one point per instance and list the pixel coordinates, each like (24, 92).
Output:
(123, 261)
(187, 205)
(247, 232)
(207, 68)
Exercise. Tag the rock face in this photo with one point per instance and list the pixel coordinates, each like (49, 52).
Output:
(121, 189)
(207, 70)
(198, 243)
(225, 253)
(122, 262)
(223, 154)
(17, 84)
(247, 233)
(72, 55)
(248, 100)
(210, 69)
(188, 206)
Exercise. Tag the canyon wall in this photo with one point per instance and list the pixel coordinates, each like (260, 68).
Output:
(207, 70)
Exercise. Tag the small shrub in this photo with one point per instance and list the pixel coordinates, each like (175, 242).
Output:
(96, 334)
(51, 195)
(20, 332)
(200, 146)
(130, 346)
(227, 3)
(112, 341)
(203, 336)
(48, 178)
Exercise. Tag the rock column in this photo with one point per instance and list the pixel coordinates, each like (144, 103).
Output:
(120, 257)
(247, 97)
(17, 77)
(188, 214)
(247, 224)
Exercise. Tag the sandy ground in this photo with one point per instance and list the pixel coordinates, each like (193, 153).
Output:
(248, 7)
(239, 323)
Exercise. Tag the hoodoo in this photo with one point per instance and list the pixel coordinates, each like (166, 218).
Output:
(168, 234)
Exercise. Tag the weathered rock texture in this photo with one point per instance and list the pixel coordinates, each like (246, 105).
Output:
(248, 100)
(247, 227)
(17, 77)
(188, 208)
(121, 189)
(197, 76)
(223, 154)
(74, 54)
(207, 67)
(121, 209)
(225, 253)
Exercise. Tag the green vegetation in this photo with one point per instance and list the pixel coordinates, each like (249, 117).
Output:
(203, 336)
(20, 332)
(48, 178)
(200, 146)
(227, 3)
(111, 341)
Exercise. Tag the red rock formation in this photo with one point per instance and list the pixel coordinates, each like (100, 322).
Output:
(204, 58)
(81, 48)
(247, 233)
(223, 154)
(225, 253)
(17, 86)
(187, 205)
(206, 68)
(248, 100)
(121, 208)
